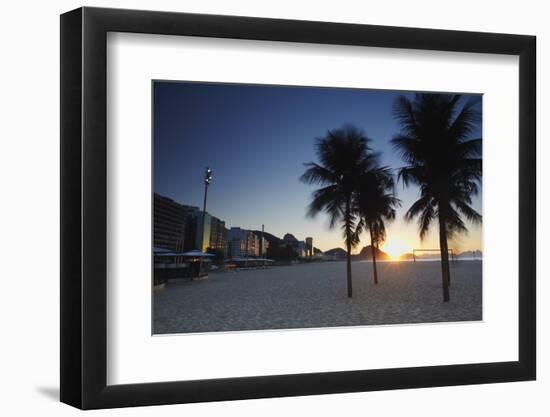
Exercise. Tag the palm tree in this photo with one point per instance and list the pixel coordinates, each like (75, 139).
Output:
(343, 156)
(442, 161)
(376, 204)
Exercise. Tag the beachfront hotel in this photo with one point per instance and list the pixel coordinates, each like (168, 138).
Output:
(174, 224)
(212, 235)
(218, 235)
(309, 247)
(302, 248)
(180, 228)
(245, 243)
(177, 227)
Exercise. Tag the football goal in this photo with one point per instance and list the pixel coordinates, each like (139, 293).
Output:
(431, 254)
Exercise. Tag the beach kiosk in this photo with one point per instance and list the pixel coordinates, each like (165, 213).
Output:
(199, 263)
(170, 265)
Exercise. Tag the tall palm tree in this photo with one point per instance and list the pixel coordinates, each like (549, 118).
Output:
(343, 156)
(442, 161)
(376, 204)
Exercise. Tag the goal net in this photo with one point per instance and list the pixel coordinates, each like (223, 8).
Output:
(431, 255)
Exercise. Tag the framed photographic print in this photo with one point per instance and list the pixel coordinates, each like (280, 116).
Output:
(257, 208)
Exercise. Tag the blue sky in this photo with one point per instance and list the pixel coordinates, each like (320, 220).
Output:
(256, 139)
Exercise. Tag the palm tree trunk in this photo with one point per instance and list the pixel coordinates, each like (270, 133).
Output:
(373, 257)
(444, 257)
(348, 245)
(447, 262)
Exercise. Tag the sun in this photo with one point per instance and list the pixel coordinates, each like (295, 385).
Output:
(395, 248)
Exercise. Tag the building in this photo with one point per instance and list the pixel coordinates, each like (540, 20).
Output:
(172, 223)
(177, 227)
(252, 244)
(290, 240)
(301, 249)
(264, 246)
(236, 242)
(309, 246)
(202, 235)
(213, 235)
(218, 235)
(243, 243)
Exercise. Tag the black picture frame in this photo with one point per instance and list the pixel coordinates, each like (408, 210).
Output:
(84, 207)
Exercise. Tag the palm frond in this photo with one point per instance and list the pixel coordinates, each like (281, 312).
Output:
(471, 214)
(316, 174)
(466, 121)
(342, 155)
(439, 157)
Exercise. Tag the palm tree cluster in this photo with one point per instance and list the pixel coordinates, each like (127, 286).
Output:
(440, 159)
(355, 190)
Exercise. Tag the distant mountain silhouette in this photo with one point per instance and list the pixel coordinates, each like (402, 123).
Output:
(276, 241)
(290, 238)
(272, 239)
(366, 253)
(435, 255)
(336, 253)
(470, 254)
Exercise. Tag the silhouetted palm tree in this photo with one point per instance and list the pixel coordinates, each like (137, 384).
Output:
(343, 156)
(441, 160)
(376, 204)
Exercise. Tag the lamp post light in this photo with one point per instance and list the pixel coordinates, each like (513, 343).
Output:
(207, 181)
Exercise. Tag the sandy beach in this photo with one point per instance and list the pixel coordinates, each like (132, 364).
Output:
(314, 295)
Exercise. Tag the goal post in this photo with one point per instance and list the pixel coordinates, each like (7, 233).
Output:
(437, 250)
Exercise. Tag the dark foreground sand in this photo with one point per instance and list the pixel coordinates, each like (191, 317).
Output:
(314, 295)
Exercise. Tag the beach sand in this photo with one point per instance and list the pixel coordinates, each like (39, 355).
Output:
(314, 295)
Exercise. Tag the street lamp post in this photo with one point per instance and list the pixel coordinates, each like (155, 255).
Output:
(207, 180)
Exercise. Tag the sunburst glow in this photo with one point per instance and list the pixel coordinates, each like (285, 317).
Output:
(396, 248)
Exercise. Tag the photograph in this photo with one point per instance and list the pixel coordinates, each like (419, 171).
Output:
(290, 207)
(279, 205)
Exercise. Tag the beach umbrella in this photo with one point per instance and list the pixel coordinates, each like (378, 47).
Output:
(196, 254)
